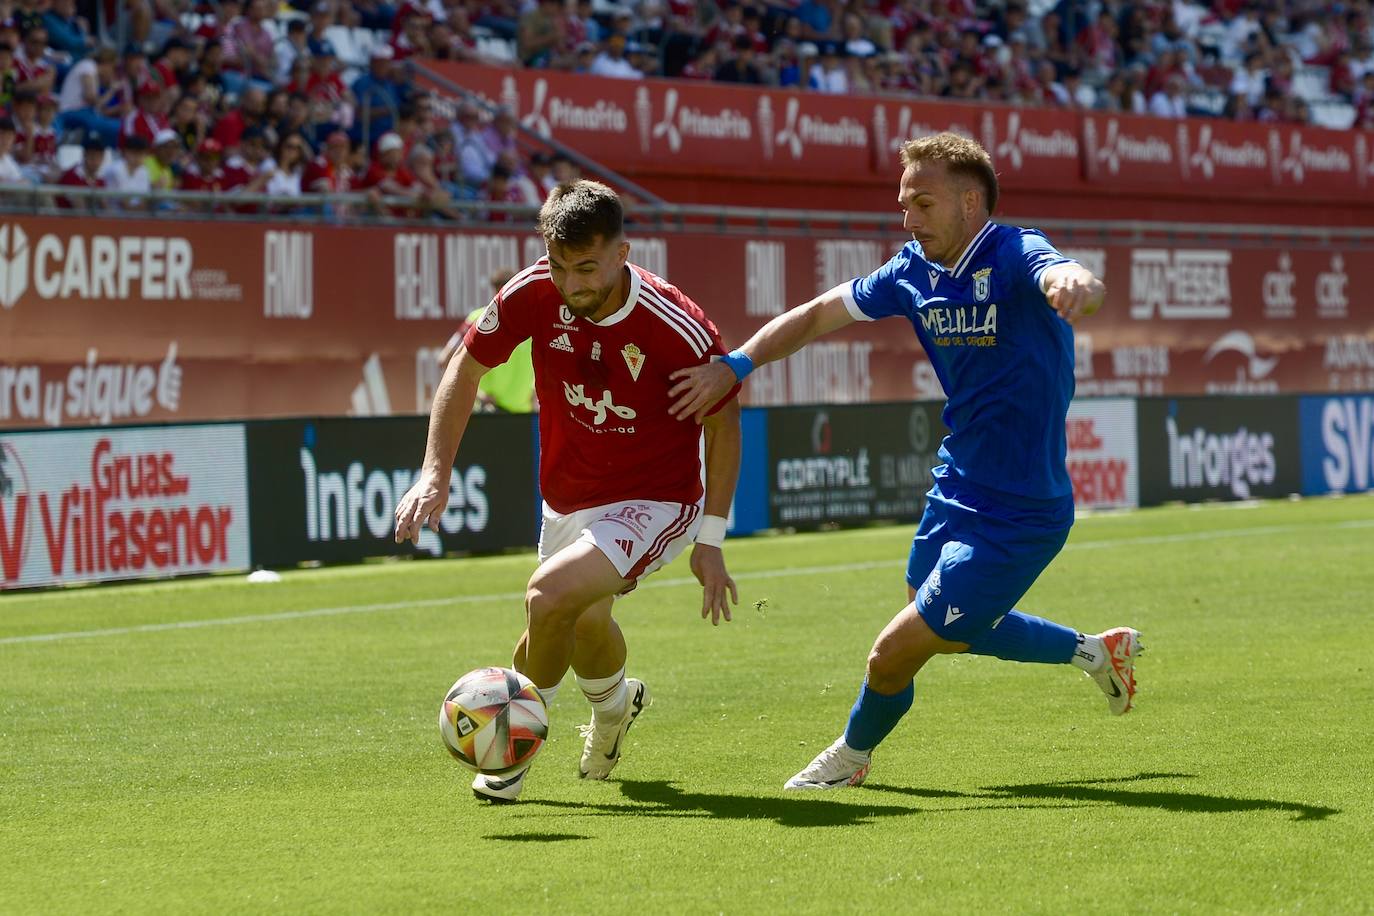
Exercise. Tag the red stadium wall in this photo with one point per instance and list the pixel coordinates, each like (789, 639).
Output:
(708, 143)
(126, 321)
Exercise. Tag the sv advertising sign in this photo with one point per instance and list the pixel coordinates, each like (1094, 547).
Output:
(79, 506)
(1337, 444)
(851, 463)
(327, 490)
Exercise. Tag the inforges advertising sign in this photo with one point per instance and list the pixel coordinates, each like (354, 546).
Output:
(1102, 459)
(1195, 449)
(327, 489)
(1338, 444)
(78, 506)
(851, 463)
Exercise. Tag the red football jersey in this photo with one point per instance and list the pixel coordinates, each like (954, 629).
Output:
(604, 429)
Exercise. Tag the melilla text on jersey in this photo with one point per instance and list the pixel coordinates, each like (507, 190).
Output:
(960, 324)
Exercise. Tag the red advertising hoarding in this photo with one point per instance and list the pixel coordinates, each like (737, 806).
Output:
(190, 321)
(667, 128)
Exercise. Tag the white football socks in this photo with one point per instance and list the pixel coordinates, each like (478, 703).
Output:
(606, 694)
(548, 693)
(1090, 654)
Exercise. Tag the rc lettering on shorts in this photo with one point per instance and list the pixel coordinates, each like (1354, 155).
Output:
(633, 518)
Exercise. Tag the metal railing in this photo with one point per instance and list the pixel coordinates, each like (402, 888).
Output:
(357, 208)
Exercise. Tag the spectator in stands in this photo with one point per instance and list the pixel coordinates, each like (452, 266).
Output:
(251, 166)
(35, 65)
(502, 189)
(612, 61)
(249, 56)
(413, 40)
(541, 173)
(828, 74)
(9, 76)
(331, 172)
(565, 170)
(188, 122)
(740, 67)
(164, 165)
(90, 100)
(68, 32)
(44, 142)
(147, 119)
(324, 87)
(1249, 81)
(172, 69)
(1077, 93)
(292, 156)
(1170, 101)
(85, 174)
(429, 189)
(207, 173)
(9, 169)
(378, 92)
(387, 175)
(128, 173)
(289, 47)
(251, 112)
(296, 119)
(542, 32)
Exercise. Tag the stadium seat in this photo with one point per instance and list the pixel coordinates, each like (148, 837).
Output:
(1336, 115)
(68, 155)
(496, 48)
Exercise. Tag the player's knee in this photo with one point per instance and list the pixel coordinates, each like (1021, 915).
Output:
(548, 605)
(889, 669)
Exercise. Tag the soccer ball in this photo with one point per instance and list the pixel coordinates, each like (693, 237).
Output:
(494, 721)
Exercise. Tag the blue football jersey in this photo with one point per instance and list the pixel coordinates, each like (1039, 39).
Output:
(1004, 357)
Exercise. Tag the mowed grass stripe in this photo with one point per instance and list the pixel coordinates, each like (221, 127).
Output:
(339, 610)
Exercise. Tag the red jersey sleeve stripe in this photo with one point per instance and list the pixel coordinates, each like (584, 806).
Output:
(659, 310)
(676, 312)
(539, 270)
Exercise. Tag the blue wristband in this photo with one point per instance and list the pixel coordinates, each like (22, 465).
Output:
(739, 363)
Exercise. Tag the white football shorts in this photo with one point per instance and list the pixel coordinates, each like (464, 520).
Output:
(638, 536)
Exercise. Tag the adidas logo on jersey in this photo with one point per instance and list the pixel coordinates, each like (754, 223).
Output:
(625, 544)
(561, 342)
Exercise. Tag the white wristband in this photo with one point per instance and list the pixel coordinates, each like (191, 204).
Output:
(712, 531)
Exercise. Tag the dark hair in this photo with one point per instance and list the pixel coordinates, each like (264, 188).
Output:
(134, 143)
(961, 156)
(581, 212)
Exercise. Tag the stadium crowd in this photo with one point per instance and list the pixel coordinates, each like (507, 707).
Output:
(258, 95)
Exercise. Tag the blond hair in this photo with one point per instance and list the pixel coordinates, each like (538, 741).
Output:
(961, 156)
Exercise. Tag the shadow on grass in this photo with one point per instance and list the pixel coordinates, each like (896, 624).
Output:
(660, 798)
(1104, 791)
(535, 837)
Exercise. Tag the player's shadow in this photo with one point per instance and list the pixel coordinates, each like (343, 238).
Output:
(661, 798)
(535, 837)
(1087, 791)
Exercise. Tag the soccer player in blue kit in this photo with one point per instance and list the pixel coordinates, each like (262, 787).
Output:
(993, 307)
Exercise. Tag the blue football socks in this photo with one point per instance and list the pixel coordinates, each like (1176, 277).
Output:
(875, 715)
(1019, 637)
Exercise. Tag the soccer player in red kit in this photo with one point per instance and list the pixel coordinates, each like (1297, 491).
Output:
(621, 479)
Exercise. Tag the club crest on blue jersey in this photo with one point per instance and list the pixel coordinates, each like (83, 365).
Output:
(982, 284)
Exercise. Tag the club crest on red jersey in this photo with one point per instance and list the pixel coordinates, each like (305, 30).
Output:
(634, 359)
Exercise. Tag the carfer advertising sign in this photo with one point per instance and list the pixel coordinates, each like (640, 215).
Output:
(327, 489)
(1195, 449)
(851, 463)
(78, 506)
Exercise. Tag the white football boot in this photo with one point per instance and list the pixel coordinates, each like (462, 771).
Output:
(499, 789)
(834, 768)
(602, 749)
(1117, 675)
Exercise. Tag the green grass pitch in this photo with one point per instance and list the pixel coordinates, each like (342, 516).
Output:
(213, 745)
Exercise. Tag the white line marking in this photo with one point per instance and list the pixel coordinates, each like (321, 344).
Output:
(1218, 534)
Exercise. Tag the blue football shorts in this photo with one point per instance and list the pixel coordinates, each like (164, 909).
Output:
(975, 555)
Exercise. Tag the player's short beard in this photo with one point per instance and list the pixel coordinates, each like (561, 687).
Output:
(598, 302)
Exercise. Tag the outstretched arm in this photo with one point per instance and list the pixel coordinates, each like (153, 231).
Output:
(448, 418)
(1072, 291)
(723, 446)
(700, 387)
